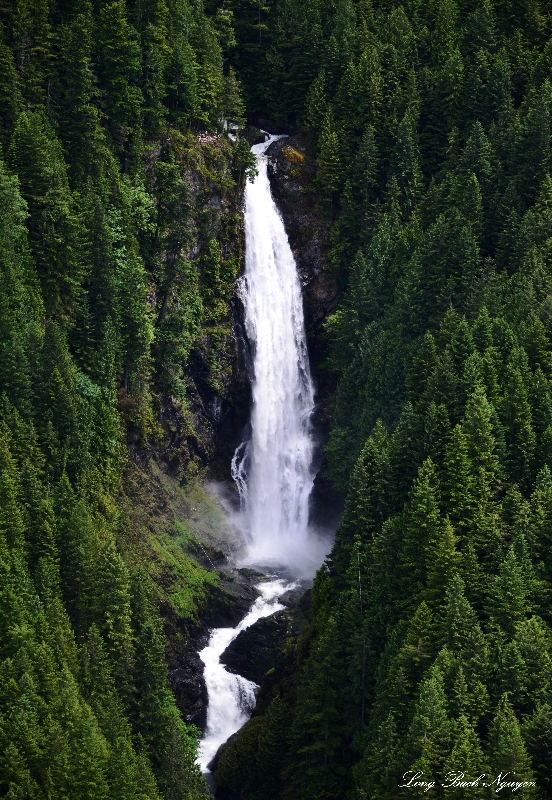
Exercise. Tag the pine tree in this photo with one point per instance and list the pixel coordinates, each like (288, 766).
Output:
(181, 70)
(507, 751)
(31, 34)
(404, 454)
(513, 676)
(118, 59)
(317, 726)
(180, 774)
(442, 563)
(519, 426)
(11, 518)
(405, 166)
(466, 761)
(477, 426)
(423, 366)
(509, 599)
(329, 156)
(273, 746)
(537, 733)
(458, 617)
(418, 648)
(113, 603)
(532, 640)
(76, 96)
(35, 155)
(428, 738)
(437, 433)
(10, 93)
(422, 529)
(458, 480)
(367, 501)
(155, 56)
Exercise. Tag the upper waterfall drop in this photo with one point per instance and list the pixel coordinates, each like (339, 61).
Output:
(273, 471)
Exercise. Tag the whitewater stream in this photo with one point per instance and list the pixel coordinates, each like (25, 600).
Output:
(231, 697)
(273, 469)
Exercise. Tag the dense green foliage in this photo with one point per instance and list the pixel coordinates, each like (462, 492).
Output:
(431, 126)
(431, 646)
(111, 274)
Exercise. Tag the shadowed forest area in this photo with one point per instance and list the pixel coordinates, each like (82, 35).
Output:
(112, 272)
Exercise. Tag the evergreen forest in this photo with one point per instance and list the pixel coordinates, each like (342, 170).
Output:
(429, 650)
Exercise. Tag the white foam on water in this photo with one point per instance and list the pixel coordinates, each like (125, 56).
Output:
(231, 697)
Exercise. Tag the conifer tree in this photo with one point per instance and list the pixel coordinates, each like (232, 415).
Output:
(507, 751)
(329, 159)
(428, 738)
(76, 96)
(35, 155)
(10, 93)
(466, 760)
(477, 426)
(422, 529)
(442, 562)
(537, 733)
(118, 59)
(519, 427)
(510, 602)
(406, 167)
(273, 746)
(458, 480)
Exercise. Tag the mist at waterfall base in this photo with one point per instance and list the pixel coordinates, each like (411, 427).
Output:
(273, 470)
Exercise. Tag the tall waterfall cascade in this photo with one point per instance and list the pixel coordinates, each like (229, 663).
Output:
(273, 471)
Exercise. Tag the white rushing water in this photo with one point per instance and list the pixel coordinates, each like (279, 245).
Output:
(231, 697)
(273, 471)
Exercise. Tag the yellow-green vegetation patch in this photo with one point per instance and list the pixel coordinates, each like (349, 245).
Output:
(292, 155)
(155, 535)
(182, 582)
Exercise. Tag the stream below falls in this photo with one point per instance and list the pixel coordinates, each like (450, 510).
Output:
(231, 697)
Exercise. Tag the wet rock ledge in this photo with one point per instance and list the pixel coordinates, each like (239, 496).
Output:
(308, 221)
(258, 649)
(227, 605)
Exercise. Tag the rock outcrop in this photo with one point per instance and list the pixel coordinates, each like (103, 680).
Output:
(308, 221)
(254, 651)
(226, 606)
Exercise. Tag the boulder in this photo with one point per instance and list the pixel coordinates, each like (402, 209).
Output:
(255, 650)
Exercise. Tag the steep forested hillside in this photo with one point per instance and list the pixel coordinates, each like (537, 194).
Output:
(118, 248)
(431, 646)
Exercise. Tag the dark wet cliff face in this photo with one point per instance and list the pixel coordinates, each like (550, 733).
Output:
(308, 218)
(308, 222)
(213, 422)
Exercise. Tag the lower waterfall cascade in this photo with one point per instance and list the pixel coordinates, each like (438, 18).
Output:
(231, 697)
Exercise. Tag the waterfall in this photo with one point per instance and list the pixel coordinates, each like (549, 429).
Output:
(273, 471)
